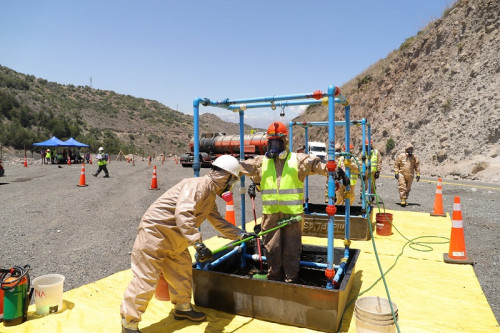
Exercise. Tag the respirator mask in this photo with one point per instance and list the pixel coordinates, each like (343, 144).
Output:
(274, 148)
(227, 192)
(409, 152)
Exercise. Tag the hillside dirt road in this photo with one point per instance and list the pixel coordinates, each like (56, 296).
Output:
(87, 233)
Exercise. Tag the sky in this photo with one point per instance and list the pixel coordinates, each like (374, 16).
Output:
(176, 51)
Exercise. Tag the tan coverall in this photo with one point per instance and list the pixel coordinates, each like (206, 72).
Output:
(406, 166)
(166, 230)
(283, 246)
(341, 194)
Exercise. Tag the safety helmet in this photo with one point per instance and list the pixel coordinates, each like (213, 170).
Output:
(101, 149)
(228, 163)
(277, 130)
(48, 149)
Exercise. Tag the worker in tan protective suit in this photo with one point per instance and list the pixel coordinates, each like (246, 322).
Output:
(406, 165)
(168, 227)
(280, 175)
(341, 194)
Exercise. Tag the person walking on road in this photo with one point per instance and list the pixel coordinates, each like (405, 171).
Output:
(102, 160)
(405, 167)
(280, 175)
(167, 228)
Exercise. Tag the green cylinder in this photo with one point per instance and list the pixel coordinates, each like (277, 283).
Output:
(14, 304)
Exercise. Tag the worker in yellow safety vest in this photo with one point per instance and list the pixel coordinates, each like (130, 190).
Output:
(280, 175)
(102, 160)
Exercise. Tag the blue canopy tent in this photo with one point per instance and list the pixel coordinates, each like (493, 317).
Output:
(52, 142)
(73, 143)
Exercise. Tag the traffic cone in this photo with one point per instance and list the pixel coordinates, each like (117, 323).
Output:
(176, 161)
(457, 253)
(90, 161)
(161, 292)
(154, 182)
(82, 177)
(25, 162)
(228, 198)
(69, 161)
(438, 201)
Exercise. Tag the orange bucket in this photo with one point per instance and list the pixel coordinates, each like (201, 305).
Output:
(384, 224)
(161, 292)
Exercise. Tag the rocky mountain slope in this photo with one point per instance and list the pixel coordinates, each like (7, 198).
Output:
(440, 90)
(33, 109)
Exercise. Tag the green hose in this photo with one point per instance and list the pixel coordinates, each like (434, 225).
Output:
(281, 224)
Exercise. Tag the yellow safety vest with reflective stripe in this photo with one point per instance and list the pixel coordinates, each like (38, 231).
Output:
(374, 160)
(288, 198)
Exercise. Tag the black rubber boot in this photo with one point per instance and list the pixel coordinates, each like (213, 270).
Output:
(129, 330)
(190, 315)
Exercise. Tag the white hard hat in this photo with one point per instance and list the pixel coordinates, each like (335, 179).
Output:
(228, 163)
(100, 148)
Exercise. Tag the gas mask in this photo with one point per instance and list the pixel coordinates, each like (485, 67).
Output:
(409, 152)
(274, 148)
(227, 191)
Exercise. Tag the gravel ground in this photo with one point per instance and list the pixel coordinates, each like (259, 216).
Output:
(87, 233)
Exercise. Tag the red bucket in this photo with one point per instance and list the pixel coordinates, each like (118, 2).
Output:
(384, 224)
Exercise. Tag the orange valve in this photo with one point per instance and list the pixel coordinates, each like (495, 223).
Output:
(329, 273)
(317, 94)
(331, 165)
(337, 91)
(331, 210)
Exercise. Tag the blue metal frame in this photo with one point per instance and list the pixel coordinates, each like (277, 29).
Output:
(331, 97)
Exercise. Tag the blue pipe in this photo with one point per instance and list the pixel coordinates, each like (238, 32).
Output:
(227, 102)
(209, 266)
(348, 203)
(363, 163)
(306, 185)
(242, 158)
(310, 264)
(196, 136)
(331, 184)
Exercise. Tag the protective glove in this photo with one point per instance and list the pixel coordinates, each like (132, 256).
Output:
(245, 234)
(418, 177)
(257, 229)
(340, 175)
(359, 175)
(396, 175)
(252, 191)
(377, 174)
(203, 252)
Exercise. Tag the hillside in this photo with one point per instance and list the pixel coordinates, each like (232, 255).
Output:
(440, 91)
(33, 109)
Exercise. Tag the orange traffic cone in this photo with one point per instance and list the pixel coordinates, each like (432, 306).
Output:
(438, 201)
(82, 177)
(69, 161)
(176, 161)
(25, 162)
(90, 161)
(228, 198)
(161, 292)
(457, 253)
(154, 182)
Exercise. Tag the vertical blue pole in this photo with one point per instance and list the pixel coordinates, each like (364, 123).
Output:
(307, 177)
(370, 151)
(331, 184)
(363, 161)
(347, 222)
(242, 158)
(196, 136)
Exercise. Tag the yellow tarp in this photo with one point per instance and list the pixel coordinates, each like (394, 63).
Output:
(431, 296)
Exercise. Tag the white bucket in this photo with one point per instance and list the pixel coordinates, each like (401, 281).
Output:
(48, 293)
(373, 314)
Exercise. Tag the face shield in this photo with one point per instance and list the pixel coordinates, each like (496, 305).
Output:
(275, 147)
(227, 192)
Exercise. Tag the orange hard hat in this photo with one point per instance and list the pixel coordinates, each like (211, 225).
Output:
(276, 130)
(366, 142)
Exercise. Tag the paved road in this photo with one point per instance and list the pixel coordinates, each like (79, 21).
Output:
(87, 233)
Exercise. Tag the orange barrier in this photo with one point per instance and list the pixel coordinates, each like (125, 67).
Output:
(438, 201)
(230, 211)
(161, 292)
(457, 253)
(154, 181)
(25, 162)
(82, 177)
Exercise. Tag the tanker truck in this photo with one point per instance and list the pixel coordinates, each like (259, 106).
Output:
(213, 145)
